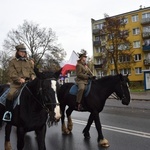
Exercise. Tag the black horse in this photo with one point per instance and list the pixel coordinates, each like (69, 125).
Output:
(94, 102)
(38, 103)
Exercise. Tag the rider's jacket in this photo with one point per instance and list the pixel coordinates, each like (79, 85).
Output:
(20, 69)
(82, 73)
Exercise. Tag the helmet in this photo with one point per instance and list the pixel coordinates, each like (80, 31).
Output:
(21, 47)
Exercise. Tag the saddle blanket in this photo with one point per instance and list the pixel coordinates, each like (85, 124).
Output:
(4, 96)
(74, 89)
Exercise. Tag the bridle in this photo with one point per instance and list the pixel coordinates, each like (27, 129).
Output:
(115, 96)
(43, 104)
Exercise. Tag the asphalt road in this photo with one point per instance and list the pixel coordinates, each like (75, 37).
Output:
(126, 128)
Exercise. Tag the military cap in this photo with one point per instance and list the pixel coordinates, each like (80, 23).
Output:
(82, 54)
(21, 47)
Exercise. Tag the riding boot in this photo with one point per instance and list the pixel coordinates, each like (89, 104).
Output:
(9, 107)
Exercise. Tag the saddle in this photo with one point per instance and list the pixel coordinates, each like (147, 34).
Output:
(16, 98)
(74, 89)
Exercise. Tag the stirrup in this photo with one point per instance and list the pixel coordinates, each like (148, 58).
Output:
(5, 118)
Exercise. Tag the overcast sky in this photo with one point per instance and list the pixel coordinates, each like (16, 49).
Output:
(70, 19)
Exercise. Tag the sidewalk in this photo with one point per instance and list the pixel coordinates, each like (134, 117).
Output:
(141, 95)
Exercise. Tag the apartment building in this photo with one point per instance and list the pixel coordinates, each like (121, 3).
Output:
(138, 23)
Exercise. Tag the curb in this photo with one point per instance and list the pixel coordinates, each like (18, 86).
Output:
(134, 99)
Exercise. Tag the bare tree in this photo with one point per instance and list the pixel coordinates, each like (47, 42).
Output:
(117, 45)
(4, 59)
(39, 41)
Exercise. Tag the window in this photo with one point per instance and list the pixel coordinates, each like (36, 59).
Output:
(112, 72)
(98, 50)
(137, 57)
(97, 38)
(103, 38)
(124, 58)
(111, 48)
(124, 33)
(101, 26)
(146, 15)
(102, 48)
(126, 20)
(111, 36)
(100, 73)
(146, 29)
(138, 70)
(124, 46)
(125, 71)
(99, 61)
(136, 44)
(135, 18)
(146, 42)
(112, 61)
(136, 31)
(98, 26)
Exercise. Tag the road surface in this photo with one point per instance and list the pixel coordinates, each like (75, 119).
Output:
(126, 128)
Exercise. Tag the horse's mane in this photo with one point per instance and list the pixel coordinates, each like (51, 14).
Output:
(107, 79)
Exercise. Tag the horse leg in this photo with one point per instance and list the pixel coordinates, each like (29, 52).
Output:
(63, 127)
(87, 128)
(40, 133)
(69, 123)
(7, 137)
(2, 111)
(102, 142)
(20, 138)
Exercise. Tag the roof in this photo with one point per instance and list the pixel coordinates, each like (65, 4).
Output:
(126, 13)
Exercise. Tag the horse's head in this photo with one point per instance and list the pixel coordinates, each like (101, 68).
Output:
(122, 89)
(47, 92)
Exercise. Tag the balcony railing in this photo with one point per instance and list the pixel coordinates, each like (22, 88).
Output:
(96, 43)
(98, 66)
(96, 31)
(145, 20)
(146, 34)
(146, 62)
(146, 48)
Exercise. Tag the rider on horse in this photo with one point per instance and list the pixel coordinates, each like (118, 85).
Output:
(20, 70)
(83, 73)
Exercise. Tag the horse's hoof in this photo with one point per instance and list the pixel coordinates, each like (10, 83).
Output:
(66, 132)
(8, 145)
(70, 127)
(87, 135)
(104, 143)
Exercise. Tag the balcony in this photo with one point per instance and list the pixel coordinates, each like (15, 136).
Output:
(145, 21)
(146, 62)
(96, 31)
(96, 43)
(98, 66)
(96, 54)
(146, 48)
(146, 34)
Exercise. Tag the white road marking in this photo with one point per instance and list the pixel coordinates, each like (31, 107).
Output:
(117, 129)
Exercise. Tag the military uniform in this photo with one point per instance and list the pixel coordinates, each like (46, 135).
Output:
(19, 68)
(83, 74)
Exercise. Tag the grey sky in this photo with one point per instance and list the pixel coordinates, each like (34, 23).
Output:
(70, 19)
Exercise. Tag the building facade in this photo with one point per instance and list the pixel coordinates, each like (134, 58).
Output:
(138, 23)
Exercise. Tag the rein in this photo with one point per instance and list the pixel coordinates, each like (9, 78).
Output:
(42, 105)
(115, 96)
